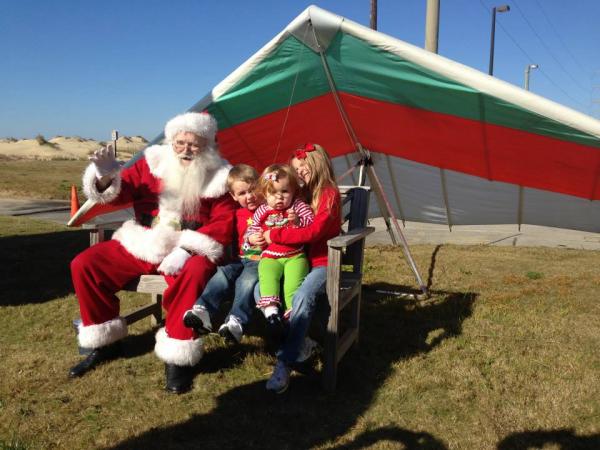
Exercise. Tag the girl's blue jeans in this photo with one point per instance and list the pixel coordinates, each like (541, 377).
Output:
(303, 307)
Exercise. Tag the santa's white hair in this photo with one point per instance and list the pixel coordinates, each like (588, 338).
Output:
(201, 124)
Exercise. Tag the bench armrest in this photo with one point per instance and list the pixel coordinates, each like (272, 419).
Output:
(351, 237)
(102, 225)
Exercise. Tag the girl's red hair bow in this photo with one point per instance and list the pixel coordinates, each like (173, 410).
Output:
(302, 151)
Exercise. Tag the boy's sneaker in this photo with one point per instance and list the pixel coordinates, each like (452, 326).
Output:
(275, 327)
(280, 378)
(198, 319)
(232, 330)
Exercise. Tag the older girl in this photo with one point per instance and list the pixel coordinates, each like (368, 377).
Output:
(313, 166)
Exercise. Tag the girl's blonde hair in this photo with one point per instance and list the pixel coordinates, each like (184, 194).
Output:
(322, 175)
(276, 172)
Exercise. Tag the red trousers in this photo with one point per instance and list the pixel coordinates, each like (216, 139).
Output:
(103, 269)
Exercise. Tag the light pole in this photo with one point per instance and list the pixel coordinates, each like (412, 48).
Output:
(527, 72)
(495, 9)
(374, 14)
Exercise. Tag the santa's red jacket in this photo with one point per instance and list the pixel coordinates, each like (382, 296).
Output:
(158, 226)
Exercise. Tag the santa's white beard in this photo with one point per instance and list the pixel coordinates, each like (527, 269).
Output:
(183, 185)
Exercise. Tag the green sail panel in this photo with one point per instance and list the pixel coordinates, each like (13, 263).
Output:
(362, 69)
(291, 74)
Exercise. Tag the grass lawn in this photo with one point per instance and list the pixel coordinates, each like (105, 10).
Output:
(505, 355)
(40, 179)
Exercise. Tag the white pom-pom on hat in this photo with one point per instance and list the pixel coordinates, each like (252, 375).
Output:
(201, 124)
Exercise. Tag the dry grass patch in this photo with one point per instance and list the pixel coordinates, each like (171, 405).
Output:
(494, 360)
(40, 179)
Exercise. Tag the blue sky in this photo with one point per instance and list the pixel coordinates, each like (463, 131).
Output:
(76, 67)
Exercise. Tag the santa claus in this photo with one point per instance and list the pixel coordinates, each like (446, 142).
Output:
(183, 222)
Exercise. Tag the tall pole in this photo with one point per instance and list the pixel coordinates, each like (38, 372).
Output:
(374, 14)
(521, 190)
(501, 9)
(432, 25)
(527, 73)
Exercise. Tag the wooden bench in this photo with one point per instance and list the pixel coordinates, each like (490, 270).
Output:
(344, 279)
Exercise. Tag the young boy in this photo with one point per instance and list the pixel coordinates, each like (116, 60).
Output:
(241, 274)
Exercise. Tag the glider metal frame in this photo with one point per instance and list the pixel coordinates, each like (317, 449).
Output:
(366, 169)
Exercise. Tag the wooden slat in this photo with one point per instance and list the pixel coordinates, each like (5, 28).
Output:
(350, 237)
(345, 342)
(331, 338)
(151, 284)
(348, 293)
(145, 311)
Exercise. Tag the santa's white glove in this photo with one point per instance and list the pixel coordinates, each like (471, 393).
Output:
(105, 162)
(174, 261)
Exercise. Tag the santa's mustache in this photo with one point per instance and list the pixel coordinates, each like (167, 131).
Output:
(187, 156)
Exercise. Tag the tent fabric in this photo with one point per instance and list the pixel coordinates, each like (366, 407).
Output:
(449, 143)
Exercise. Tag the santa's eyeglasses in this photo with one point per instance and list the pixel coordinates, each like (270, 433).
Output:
(183, 144)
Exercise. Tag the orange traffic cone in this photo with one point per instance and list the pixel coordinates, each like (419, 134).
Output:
(74, 200)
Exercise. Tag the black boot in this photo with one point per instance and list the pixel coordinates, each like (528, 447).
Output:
(97, 356)
(179, 378)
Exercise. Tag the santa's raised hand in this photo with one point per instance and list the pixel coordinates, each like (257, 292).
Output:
(105, 162)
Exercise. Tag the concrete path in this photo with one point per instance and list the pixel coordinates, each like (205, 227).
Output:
(21, 207)
(528, 236)
(415, 232)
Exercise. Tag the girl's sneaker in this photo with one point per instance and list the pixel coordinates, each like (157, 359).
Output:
(308, 349)
(280, 378)
(198, 319)
(232, 330)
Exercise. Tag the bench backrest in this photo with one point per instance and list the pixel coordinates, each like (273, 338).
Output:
(355, 209)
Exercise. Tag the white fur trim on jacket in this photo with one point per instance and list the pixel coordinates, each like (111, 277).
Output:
(148, 244)
(201, 244)
(178, 351)
(91, 191)
(102, 334)
(218, 183)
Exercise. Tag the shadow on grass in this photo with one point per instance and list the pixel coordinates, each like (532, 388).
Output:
(222, 358)
(35, 268)
(564, 439)
(409, 439)
(305, 417)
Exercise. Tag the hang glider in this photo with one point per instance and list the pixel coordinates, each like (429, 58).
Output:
(450, 144)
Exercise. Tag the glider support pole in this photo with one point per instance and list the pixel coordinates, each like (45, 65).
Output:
(367, 163)
(395, 188)
(445, 195)
(520, 210)
(376, 183)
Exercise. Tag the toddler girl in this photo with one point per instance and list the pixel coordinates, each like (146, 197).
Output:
(279, 187)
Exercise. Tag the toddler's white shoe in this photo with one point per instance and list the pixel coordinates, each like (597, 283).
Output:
(232, 330)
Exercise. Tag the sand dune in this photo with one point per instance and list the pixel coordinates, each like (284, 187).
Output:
(65, 147)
